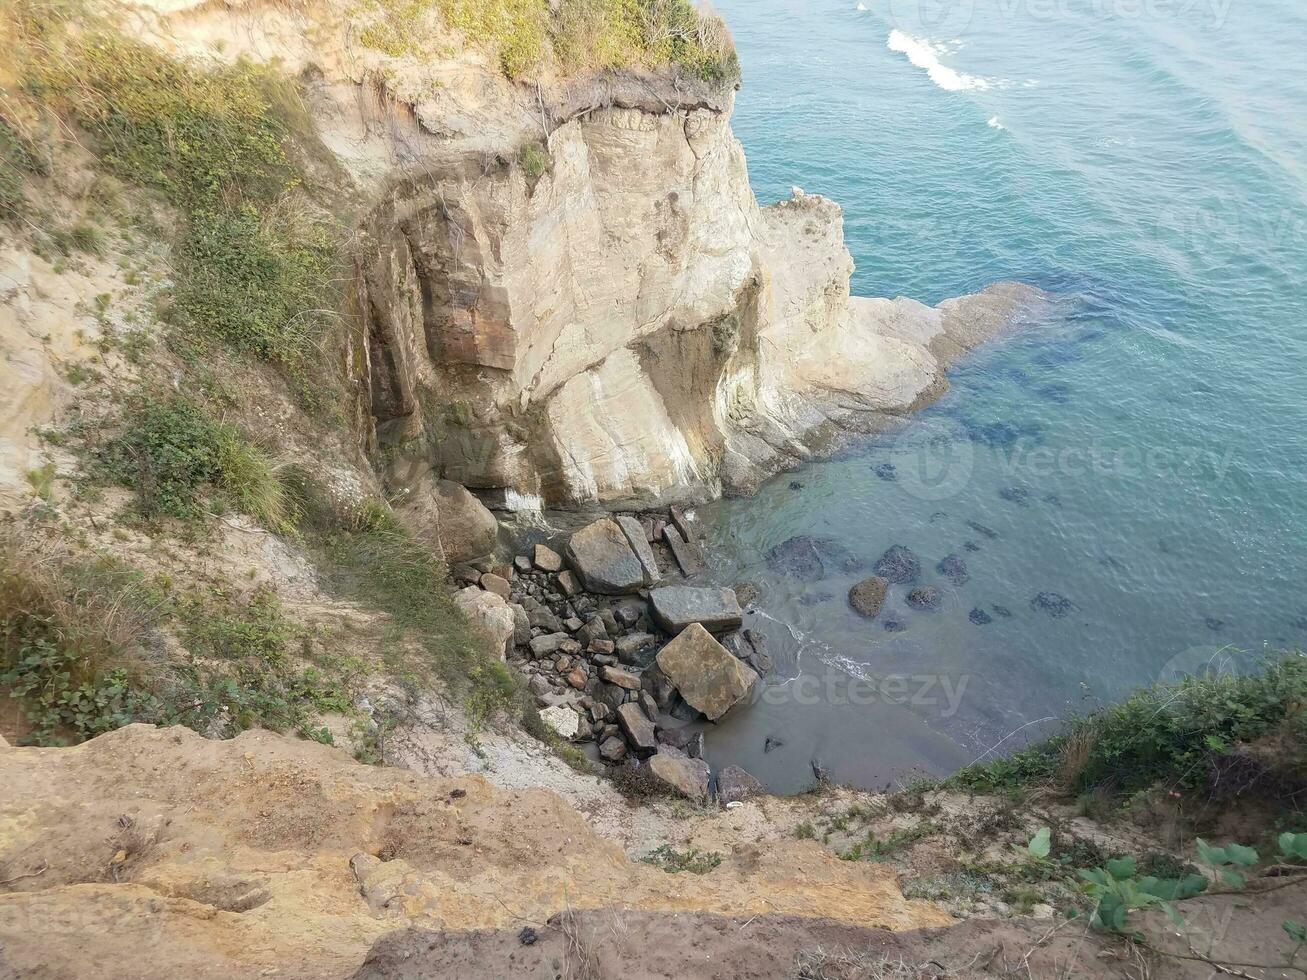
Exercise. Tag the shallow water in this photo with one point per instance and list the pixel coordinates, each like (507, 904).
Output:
(1142, 453)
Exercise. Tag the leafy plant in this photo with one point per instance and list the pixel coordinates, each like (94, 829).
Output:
(692, 860)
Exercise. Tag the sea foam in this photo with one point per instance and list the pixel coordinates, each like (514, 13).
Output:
(925, 55)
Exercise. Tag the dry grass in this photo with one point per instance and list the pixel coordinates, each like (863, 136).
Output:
(1074, 757)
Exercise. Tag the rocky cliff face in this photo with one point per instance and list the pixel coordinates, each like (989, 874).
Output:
(567, 293)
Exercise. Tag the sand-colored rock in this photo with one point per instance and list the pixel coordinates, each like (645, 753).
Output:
(239, 861)
(490, 616)
(709, 678)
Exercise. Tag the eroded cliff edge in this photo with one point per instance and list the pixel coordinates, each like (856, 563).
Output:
(566, 291)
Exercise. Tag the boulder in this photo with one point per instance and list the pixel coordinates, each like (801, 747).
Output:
(496, 584)
(677, 606)
(797, 557)
(567, 583)
(1053, 603)
(899, 565)
(562, 720)
(704, 672)
(605, 560)
(637, 727)
(691, 743)
(521, 625)
(612, 749)
(687, 554)
(639, 542)
(633, 648)
(734, 783)
(490, 616)
(683, 523)
(868, 596)
(547, 559)
(622, 678)
(548, 645)
(687, 776)
(447, 517)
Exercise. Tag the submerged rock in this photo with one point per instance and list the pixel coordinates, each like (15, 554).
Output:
(892, 624)
(982, 529)
(925, 597)
(1003, 611)
(980, 617)
(1016, 495)
(797, 558)
(868, 596)
(1053, 603)
(899, 565)
(971, 545)
(886, 471)
(953, 568)
(675, 607)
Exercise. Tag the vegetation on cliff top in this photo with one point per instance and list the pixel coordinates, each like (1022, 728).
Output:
(1173, 735)
(568, 36)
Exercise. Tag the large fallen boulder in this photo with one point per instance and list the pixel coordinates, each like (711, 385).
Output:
(687, 776)
(447, 517)
(490, 616)
(735, 784)
(709, 678)
(602, 555)
(677, 606)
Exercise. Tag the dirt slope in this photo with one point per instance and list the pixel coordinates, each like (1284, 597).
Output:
(157, 853)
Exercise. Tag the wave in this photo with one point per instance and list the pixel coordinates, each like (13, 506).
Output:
(995, 124)
(861, 7)
(925, 55)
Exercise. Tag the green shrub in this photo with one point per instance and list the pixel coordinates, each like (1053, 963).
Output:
(18, 160)
(692, 860)
(1164, 734)
(176, 456)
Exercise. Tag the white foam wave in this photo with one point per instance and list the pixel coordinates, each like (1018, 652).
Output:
(995, 124)
(862, 7)
(926, 55)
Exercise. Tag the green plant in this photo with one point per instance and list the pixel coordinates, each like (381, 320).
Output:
(534, 159)
(692, 860)
(805, 831)
(1165, 734)
(18, 160)
(175, 456)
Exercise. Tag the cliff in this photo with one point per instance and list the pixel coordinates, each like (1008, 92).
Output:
(564, 291)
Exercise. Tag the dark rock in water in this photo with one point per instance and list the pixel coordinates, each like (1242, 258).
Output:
(808, 558)
(1016, 495)
(796, 485)
(886, 471)
(772, 742)
(953, 568)
(1053, 603)
(868, 596)
(1052, 499)
(1003, 611)
(1214, 624)
(819, 771)
(893, 625)
(898, 565)
(925, 597)
(996, 435)
(1107, 561)
(1058, 393)
(939, 515)
(797, 558)
(1299, 624)
(971, 546)
(734, 784)
(982, 530)
(815, 598)
(980, 617)
(1164, 546)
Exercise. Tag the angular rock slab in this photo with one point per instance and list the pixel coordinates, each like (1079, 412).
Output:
(687, 776)
(709, 678)
(637, 727)
(675, 607)
(562, 720)
(488, 615)
(603, 557)
(639, 543)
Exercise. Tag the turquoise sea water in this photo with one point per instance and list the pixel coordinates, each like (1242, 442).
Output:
(1143, 453)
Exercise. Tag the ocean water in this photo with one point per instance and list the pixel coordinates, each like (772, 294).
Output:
(1142, 453)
